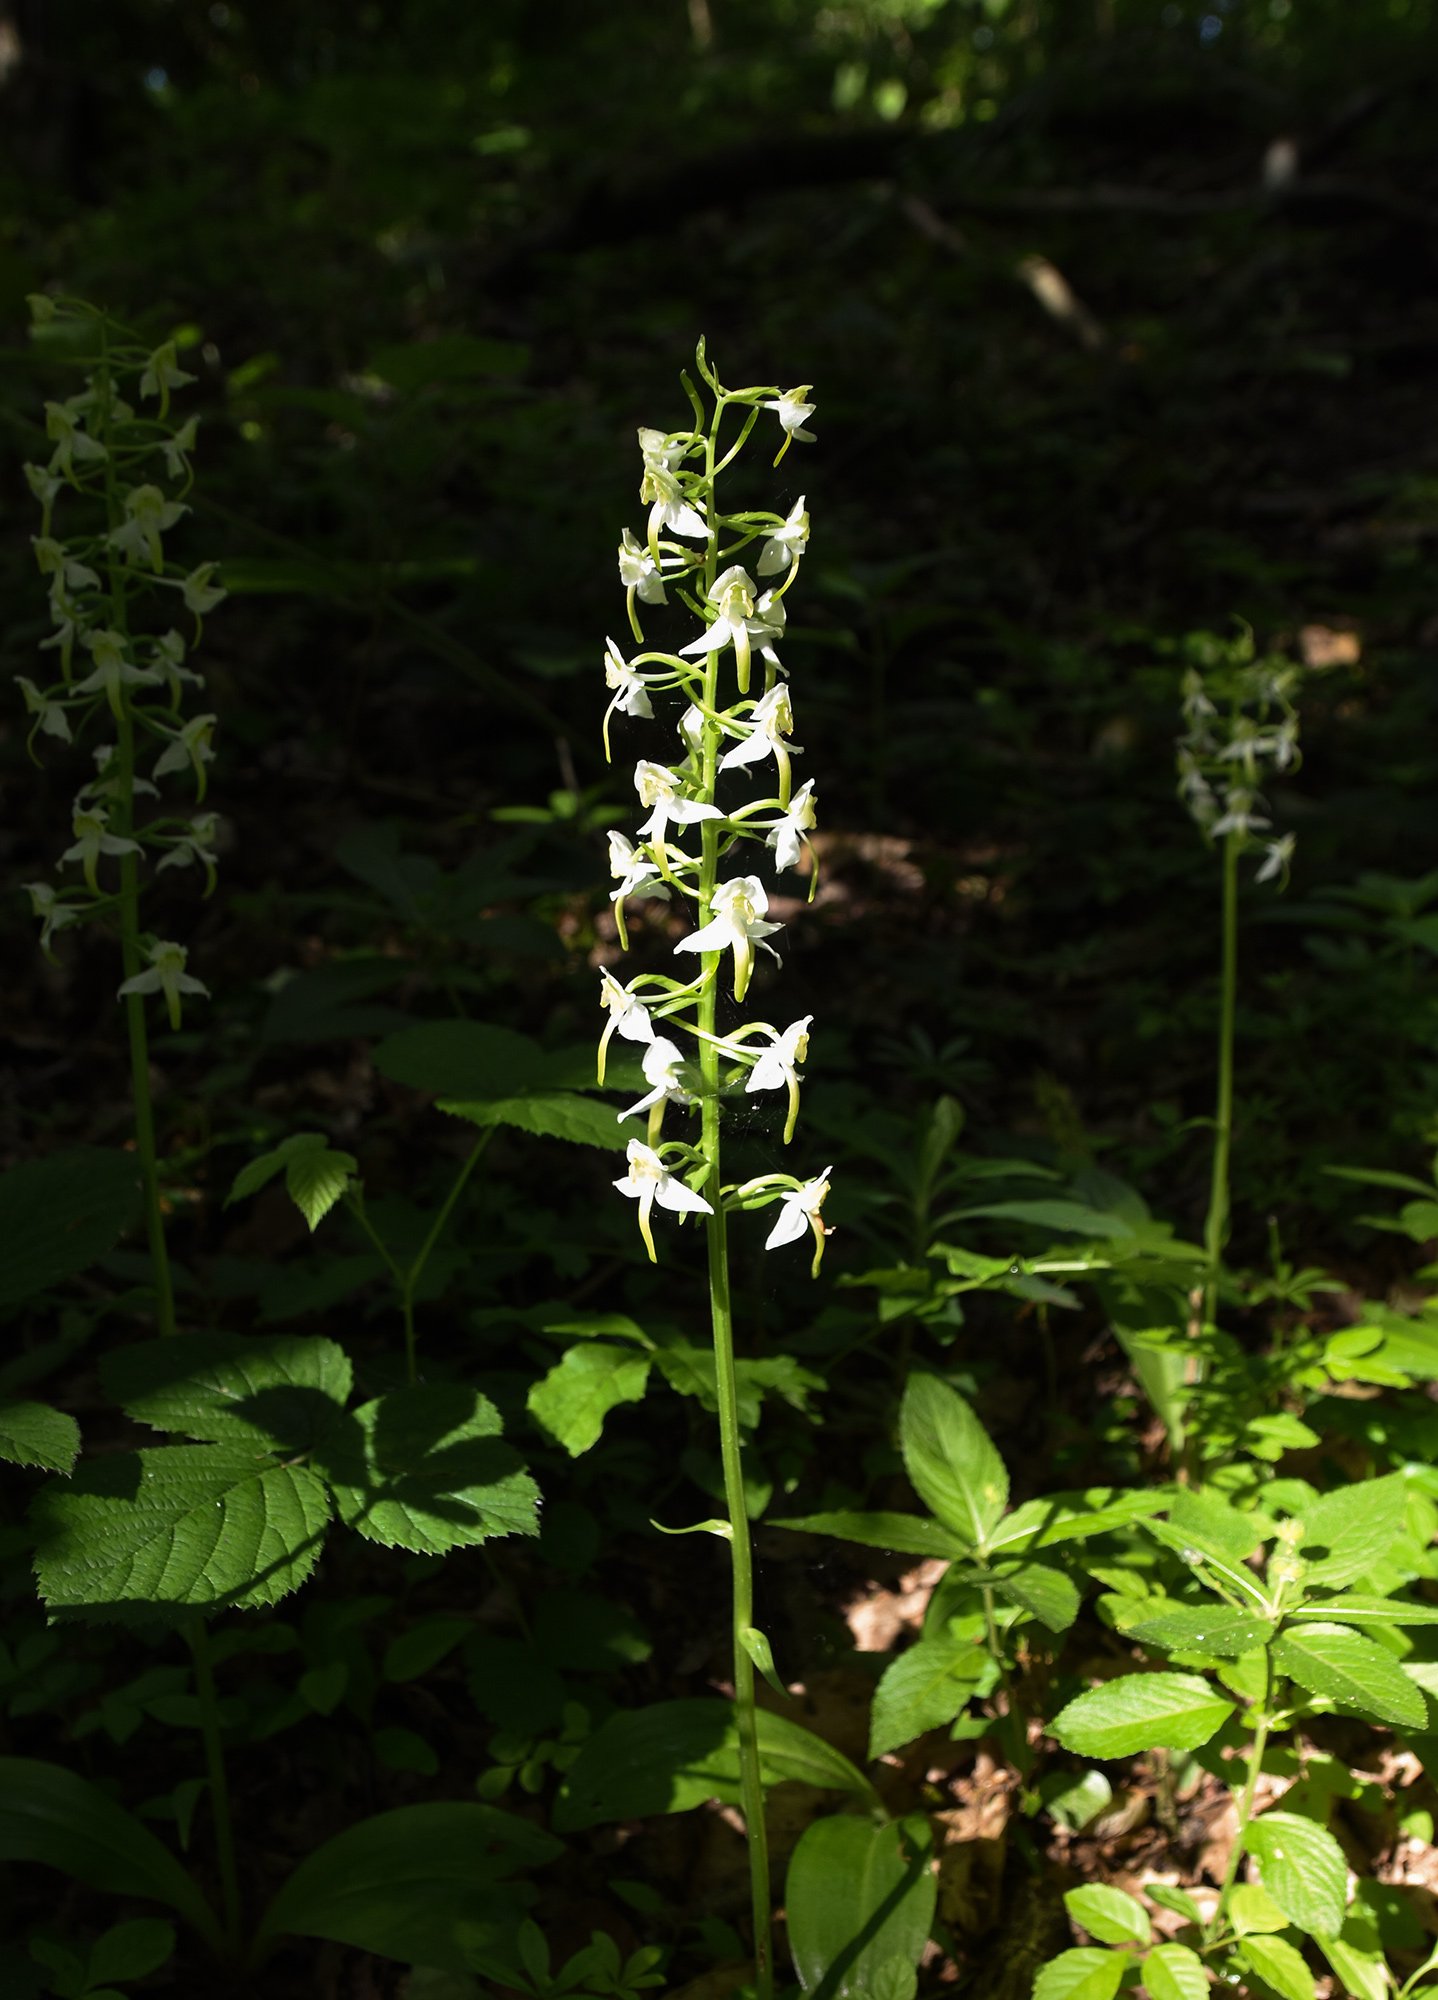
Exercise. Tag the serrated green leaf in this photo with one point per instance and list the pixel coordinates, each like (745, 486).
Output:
(1195, 1628)
(1364, 1974)
(279, 1391)
(1141, 1712)
(1351, 1671)
(1251, 1908)
(425, 1468)
(951, 1459)
(925, 1688)
(462, 1059)
(1356, 1526)
(860, 1899)
(901, 1534)
(1178, 1900)
(34, 1434)
(315, 1181)
(58, 1215)
(1046, 1593)
(1303, 1870)
(1085, 1973)
(552, 1114)
(424, 1884)
(585, 1384)
(1277, 1963)
(1353, 1608)
(1110, 1915)
(1173, 1972)
(146, 1534)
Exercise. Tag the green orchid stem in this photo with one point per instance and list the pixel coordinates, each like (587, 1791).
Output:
(197, 1632)
(1262, 1724)
(1215, 1233)
(131, 957)
(751, 1784)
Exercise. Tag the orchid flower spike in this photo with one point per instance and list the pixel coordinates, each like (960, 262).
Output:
(649, 1181)
(799, 1211)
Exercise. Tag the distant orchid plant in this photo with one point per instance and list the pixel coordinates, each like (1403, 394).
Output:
(119, 463)
(732, 571)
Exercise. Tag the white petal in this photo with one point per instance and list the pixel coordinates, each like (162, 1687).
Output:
(791, 1224)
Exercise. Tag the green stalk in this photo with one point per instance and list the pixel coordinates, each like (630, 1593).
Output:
(751, 1786)
(1262, 1724)
(129, 902)
(198, 1635)
(1215, 1233)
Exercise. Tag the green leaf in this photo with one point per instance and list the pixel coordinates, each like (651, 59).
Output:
(1352, 1607)
(555, 1114)
(462, 1059)
(425, 1468)
(142, 1534)
(1083, 1974)
(1251, 1908)
(58, 1215)
(1277, 1963)
(130, 1950)
(1362, 1973)
(1111, 1916)
(860, 1900)
(756, 1645)
(1074, 1799)
(316, 1177)
(1072, 1517)
(1072, 1217)
(414, 1652)
(1352, 1672)
(1173, 1972)
(678, 1754)
(925, 1688)
(49, 1815)
(901, 1534)
(279, 1391)
(951, 1460)
(1046, 1593)
(1196, 1628)
(424, 1884)
(1357, 1525)
(585, 1384)
(1178, 1900)
(1303, 1870)
(34, 1434)
(1141, 1712)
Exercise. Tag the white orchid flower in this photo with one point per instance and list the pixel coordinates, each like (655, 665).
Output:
(113, 670)
(53, 914)
(148, 514)
(162, 374)
(199, 593)
(192, 745)
(786, 835)
(90, 827)
(736, 622)
(661, 492)
(787, 543)
(631, 696)
(661, 790)
(1277, 857)
(778, 1068)
(628, 1016)
(772, 719)
(661, 1064)
(792, 410)
(639, 572)
(54, 559)
(51, 719)
(166, 974)
(649, 1181)
(196, 845)
(63, 425)
(1239, 815)
(168, 659)
(736, 924)
(45, 485)
(799, 1211)
(178, 448)
(107, 782)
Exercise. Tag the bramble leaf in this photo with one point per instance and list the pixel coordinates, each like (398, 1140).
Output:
(1141, 1712)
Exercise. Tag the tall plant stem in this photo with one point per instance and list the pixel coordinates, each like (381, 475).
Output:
(751, 1786)
(1250, 1786)
(199, 1638)
(1215, 1233)
(129, 904)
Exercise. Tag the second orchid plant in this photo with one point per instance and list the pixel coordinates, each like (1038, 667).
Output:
(695, 848)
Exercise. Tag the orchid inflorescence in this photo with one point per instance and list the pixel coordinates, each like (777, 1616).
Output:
(735, 583)
(1241, 722)
(137, 467)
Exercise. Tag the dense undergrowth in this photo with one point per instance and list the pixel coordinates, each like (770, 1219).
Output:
(349, 1646)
